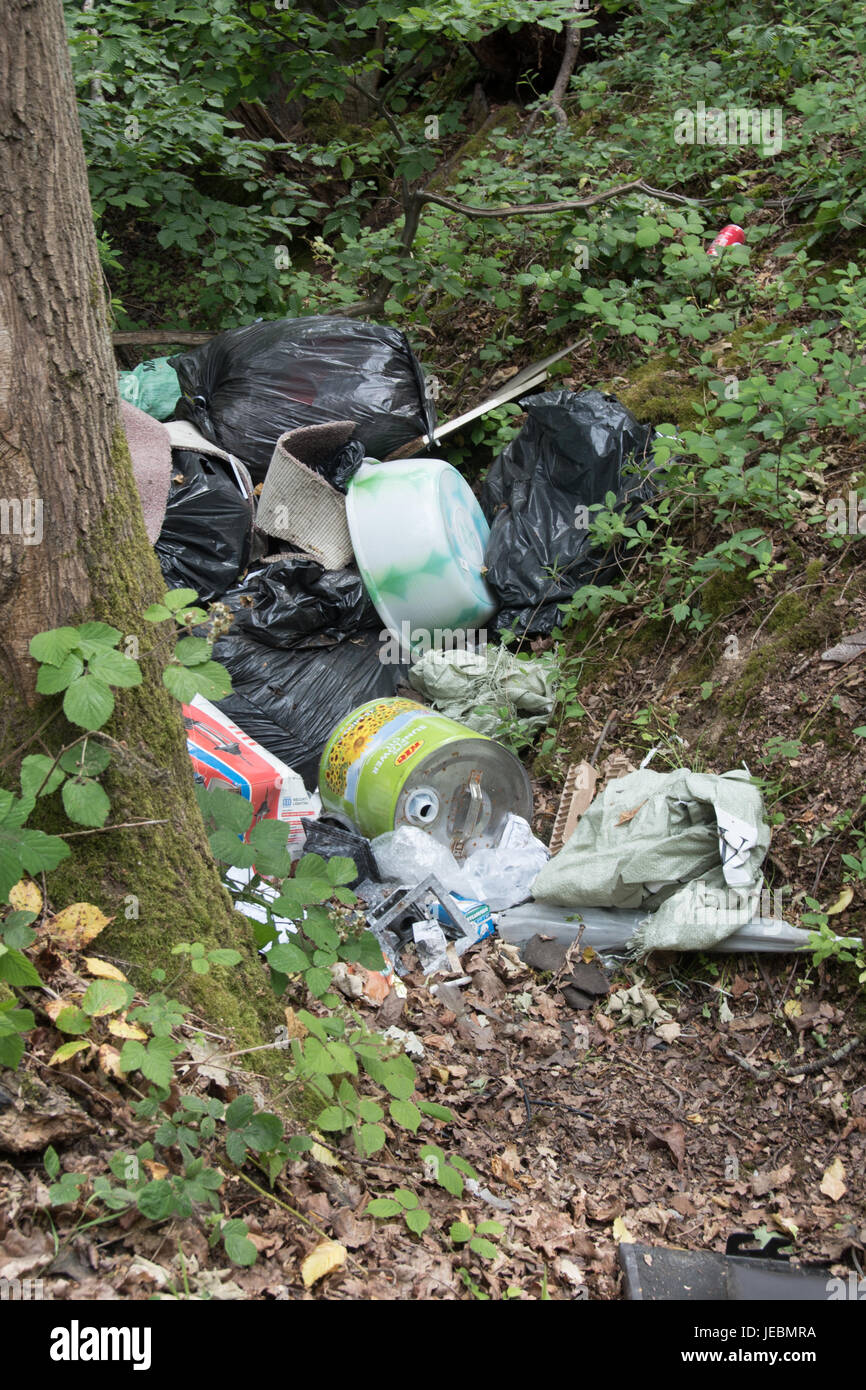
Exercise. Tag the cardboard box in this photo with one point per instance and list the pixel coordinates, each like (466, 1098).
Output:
(223, 755)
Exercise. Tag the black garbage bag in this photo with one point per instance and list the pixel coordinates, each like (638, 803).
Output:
(207, 531)
(247, 386)
(340, 470)
(295, 602)
(332, 840)
(572, 451)
(290, 701)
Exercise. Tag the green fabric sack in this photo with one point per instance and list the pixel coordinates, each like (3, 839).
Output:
(152, 386)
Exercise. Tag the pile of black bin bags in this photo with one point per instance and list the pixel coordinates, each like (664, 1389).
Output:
(303, 650)
(304, 647)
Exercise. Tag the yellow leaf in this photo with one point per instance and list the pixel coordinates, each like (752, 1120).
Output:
(621, 1232)
(841, 902)
(102, 970)
(157, 1171)
(696, 1119)
(793, 1008)
(323, 1155)
(25, 896)
(68, 1050)
(442, 1074)
(77, 925)
(327, 1256)
(120, 1029)
(833, 1181)
(109, 1061)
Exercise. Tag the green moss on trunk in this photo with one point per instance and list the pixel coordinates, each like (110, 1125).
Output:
(158, 882)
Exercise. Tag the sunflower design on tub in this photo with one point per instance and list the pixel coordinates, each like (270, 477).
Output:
(352, 742)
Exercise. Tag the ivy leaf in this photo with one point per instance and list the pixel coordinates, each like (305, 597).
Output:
(88, 702)
(85, 802)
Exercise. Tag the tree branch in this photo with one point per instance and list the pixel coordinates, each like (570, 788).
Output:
(567, 205)
(563, 77)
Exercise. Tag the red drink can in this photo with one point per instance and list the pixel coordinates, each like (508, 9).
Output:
(732, 235)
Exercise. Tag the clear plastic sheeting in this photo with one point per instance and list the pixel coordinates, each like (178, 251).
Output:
(499, 876)
(611, 931)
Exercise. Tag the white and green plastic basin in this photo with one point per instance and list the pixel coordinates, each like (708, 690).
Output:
(419, 538)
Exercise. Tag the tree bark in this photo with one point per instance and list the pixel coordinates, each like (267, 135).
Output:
(62, 447)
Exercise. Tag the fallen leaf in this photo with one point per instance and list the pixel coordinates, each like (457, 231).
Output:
(668, 1032)
(294, 1027)
(672, 1137)
(327, 1256)
(568, 1270)
(841, 902)
(77, 925)
(67, 1050)
(351, 1230)
(833, 1181)
(120, 1029)
(102, 969)
(630, 815)
(793, 1008)
(109, 1061)
(323, 1155)
(25, 896)
(621, 1232)
(157, 1171)
(682, 1203)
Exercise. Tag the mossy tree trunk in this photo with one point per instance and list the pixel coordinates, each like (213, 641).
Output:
(62, 448)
